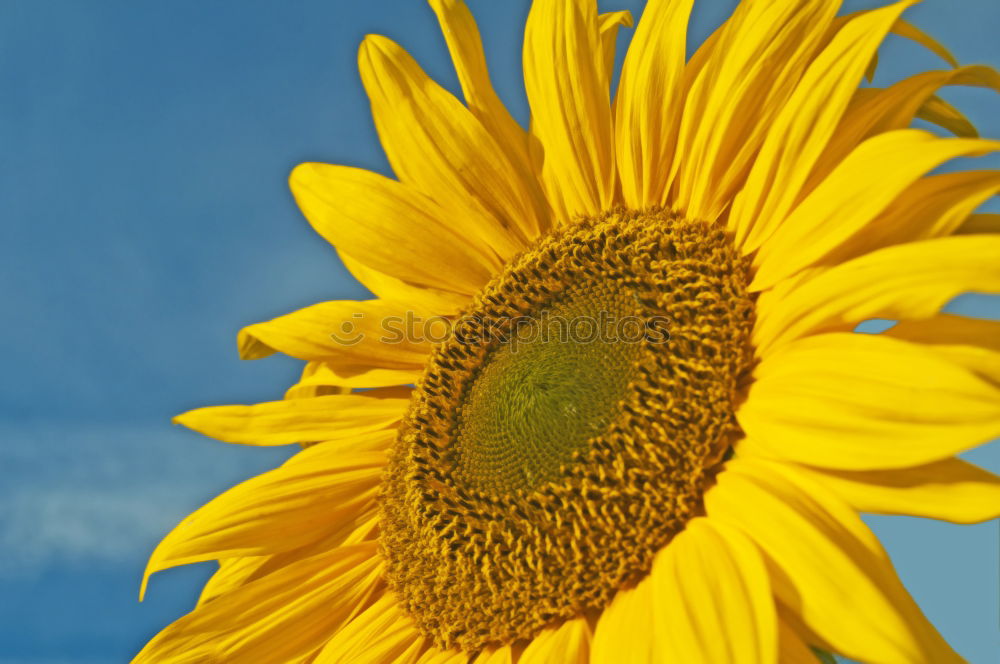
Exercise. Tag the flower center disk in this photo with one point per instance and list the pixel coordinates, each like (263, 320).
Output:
(543, 395)
(567, 429)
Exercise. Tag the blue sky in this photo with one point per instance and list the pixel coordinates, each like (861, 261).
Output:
(146, 219)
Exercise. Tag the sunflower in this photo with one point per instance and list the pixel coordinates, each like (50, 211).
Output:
(689, 493)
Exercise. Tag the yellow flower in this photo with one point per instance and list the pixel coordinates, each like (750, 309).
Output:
(686, 494)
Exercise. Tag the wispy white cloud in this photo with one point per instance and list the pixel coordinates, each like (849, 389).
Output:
(106, 494)
(53, 525)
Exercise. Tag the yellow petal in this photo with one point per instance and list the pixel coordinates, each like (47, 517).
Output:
(495, 655)
(861, 401)
(436, 656)
(423, 299)
(280, 510)
(791, 648)
(343, 333)
(906, 29)
(804, 125)
(647, 107)
(950, 489)
(275, 619)
(980, 223)
(308, 387)
(569, 643)
(908, 281)
(382, 633)
(875, 110)
(437, 145)
(390, 227)
(937, 111)
(570, 105)
(607, 26)
(625, 630)
(711, 581)
(825, 565)
(968, 342)
(751, 69)
(363, 528)
(703, 55)
(931, 207)
(466, 48)
(331, 453)
(232, 573)
(856, 192)
(300, 420)
(318, 377)
(872, 68)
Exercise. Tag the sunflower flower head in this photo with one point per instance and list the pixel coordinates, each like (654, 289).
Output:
(648, 428)
(563, 457)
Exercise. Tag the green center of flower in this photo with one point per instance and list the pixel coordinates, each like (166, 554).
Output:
(556, 382)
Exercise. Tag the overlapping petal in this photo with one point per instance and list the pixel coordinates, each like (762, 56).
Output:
(907, 30)
(980, 223)
(437, 145)
(381, 633)
(625, 632)
(968, 342)
(313, 383)
(949, 489)
(391, 227)
(427, 300)
(754, 63)
(231, 574)
(274, 620)
(319, 378)
(648, 103)
(280, 510)
(803, 127)
(464, 43)
(496, 655)
(436, 656)
(902, 282)
(343, 335)
(875, 110)
(335, 417)
(937, 111)
(567, 643)
(934, 206)
(858, 401)
(711, 581)
(567, 89)
(826, 567)
(856, 192)
(608, 24)
(791, 648)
